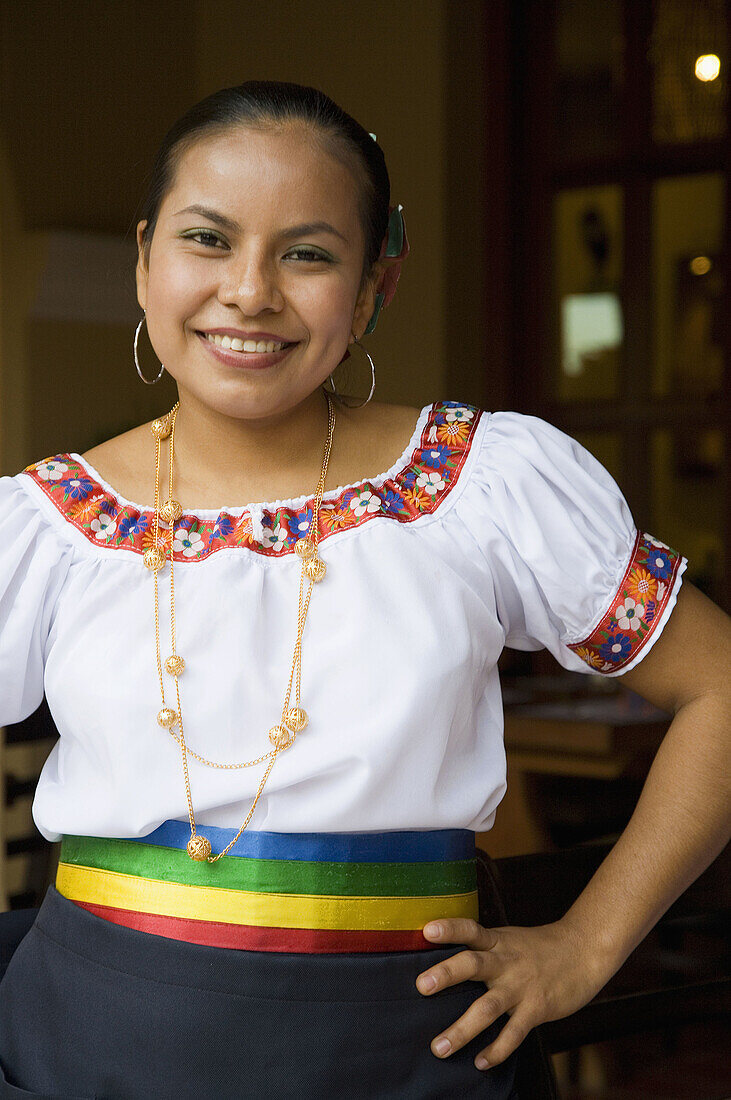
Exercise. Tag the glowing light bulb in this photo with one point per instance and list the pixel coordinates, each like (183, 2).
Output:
(700, 265)
(707, 66)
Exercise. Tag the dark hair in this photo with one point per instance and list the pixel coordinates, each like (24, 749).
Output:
(264, 104)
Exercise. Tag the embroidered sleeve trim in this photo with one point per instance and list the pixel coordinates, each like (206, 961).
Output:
(636, 607)
(417, 489)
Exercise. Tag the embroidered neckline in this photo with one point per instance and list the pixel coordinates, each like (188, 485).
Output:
(423, 476)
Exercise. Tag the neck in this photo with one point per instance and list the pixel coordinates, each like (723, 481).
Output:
(222, 449)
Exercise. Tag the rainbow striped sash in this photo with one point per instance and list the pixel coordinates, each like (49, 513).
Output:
(305, 892)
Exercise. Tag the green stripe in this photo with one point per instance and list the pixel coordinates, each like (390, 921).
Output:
(282, 876)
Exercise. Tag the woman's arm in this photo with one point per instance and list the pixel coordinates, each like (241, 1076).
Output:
(681, 821)
(680, 824)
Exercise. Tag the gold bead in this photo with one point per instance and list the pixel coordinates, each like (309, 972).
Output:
(279, 736)
(174, 665)
(161, 427)
(199, 847)
(154, 558)
(171, 510)
(167, 717)
(315, 569)
(305, 548)
(296, 718)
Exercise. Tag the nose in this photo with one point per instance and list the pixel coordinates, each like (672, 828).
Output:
(250, 282)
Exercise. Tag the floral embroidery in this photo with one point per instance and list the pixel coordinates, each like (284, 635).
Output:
(640, 584)
(103, 526)
(300, 525)
(589, 656)
(50, 470)
(222, 528)
(629, 614)
(430, 483)
(416, 489)
(77, 487)
(275, 537)
(188, 540)
(365, 502)
(134, 524)
(163, 538)
(636, 607)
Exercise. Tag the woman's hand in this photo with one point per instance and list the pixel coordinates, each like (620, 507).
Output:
(680, 824)
(534, 974)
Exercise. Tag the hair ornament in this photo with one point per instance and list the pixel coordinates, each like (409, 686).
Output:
(372, 135)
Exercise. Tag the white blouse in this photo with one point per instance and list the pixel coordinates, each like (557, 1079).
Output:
(491, 530)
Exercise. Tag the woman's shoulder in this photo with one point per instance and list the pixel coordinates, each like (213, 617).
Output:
(124, 460)
(381, 430)
(67, 489)
(119, 448)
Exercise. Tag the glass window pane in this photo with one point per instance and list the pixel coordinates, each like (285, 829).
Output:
(688, 501)
(688, 58)
(687, 223)
(588, 47)
(588, 310)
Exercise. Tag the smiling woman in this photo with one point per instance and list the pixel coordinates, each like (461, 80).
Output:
(223, 928)
(194, 281)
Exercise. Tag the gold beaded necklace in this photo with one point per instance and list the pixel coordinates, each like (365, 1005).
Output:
(293, 719)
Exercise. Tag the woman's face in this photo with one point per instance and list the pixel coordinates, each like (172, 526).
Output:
(255, 273)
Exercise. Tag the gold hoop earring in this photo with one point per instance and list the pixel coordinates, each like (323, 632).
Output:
(340, 396)
(137, 362)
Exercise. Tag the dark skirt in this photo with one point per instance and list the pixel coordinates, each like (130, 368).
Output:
(89, 1008)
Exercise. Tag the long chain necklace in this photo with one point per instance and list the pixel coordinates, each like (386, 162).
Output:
(293, 718)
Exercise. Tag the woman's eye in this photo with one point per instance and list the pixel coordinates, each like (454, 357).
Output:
(210, 240)
(201, 233)
(310, 255)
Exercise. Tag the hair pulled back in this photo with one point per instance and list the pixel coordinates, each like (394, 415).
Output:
(264, 104)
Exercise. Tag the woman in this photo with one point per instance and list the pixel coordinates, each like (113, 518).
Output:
(222, 927)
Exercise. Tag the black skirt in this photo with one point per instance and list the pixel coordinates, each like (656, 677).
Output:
(89, 1008)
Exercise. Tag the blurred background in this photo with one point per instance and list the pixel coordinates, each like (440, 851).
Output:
(563, 167)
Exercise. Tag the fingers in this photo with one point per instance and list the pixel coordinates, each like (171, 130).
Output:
(460, 930)
(481, 1013)
(467, 965)
(479, 962)
(508, 1040)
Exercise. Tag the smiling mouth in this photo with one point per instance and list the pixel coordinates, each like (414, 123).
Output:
(246, 347)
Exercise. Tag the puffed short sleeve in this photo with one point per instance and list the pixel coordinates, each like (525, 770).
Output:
(571, 572)
(34, 562)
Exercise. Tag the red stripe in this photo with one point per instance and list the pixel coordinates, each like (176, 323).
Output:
(252, 938)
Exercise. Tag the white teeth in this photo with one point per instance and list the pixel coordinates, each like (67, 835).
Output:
(236, 344)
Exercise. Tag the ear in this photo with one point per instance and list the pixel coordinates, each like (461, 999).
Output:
(141, 271)
(366, 301)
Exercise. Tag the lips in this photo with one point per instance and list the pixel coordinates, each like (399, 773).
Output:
(246, 360)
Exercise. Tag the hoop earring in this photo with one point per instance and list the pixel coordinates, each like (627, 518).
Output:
(137, 362)
(339, 396)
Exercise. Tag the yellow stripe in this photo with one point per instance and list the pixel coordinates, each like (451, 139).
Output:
(173, 899)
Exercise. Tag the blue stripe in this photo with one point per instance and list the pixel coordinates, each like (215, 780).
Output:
(396, 846)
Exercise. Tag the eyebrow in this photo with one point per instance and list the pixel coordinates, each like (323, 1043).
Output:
(233, 227)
